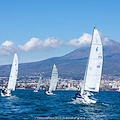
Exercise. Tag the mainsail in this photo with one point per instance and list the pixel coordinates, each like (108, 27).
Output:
(54, 79)
(13, 74)
(39, 82)
(94, 68)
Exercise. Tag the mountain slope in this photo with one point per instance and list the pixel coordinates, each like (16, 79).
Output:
(71, 65)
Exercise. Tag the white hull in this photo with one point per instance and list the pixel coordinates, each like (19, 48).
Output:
(48, 93)
(35, 91)
(5, 95)
(84, 100)
(118, 90)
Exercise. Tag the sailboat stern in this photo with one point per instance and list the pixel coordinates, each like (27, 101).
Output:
(83, 100)
(5, 93)
(48, 93)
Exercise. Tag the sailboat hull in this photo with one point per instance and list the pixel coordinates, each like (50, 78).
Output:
(48, 93)
(35, 91)
(6, 94)
(83, 100)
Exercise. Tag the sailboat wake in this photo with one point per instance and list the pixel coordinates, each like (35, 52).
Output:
(84, 100)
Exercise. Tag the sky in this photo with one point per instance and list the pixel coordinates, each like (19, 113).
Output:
(41, 29)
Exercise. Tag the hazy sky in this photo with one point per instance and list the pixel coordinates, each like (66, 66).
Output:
(41, 29)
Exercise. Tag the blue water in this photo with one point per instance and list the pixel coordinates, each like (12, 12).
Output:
(25, 104)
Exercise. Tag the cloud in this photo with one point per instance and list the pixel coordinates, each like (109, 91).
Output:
(85, 40)
(8, 43)
(36, 44)
(52, 42)
(105, 40)
(30, 45)
(7, 48)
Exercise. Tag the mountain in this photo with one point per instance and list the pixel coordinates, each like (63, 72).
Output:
(71, 65)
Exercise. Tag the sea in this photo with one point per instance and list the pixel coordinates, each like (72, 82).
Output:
(28, 105)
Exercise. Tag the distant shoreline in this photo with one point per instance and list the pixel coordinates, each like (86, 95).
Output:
(58, 89)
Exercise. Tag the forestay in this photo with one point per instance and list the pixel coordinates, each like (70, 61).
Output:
(94, 68)
(54, 79)
(13, 74)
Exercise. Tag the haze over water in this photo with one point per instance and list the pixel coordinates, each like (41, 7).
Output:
(25, 104)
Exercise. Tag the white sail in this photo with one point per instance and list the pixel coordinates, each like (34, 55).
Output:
(94, 68)
(13, 74)
(39, 82)
(54, 79)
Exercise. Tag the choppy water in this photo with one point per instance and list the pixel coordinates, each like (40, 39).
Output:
(25, 104)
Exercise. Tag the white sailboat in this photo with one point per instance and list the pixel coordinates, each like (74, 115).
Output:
(118, 89)
(93, 71)
(12, 78)
(53, 82)
(38, 85)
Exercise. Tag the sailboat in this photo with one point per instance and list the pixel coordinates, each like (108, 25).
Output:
(38, 85)
(118, 89)
(12, 78)
(53, 82)
(93, 71)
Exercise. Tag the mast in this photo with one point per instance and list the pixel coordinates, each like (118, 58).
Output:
(83, 87)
